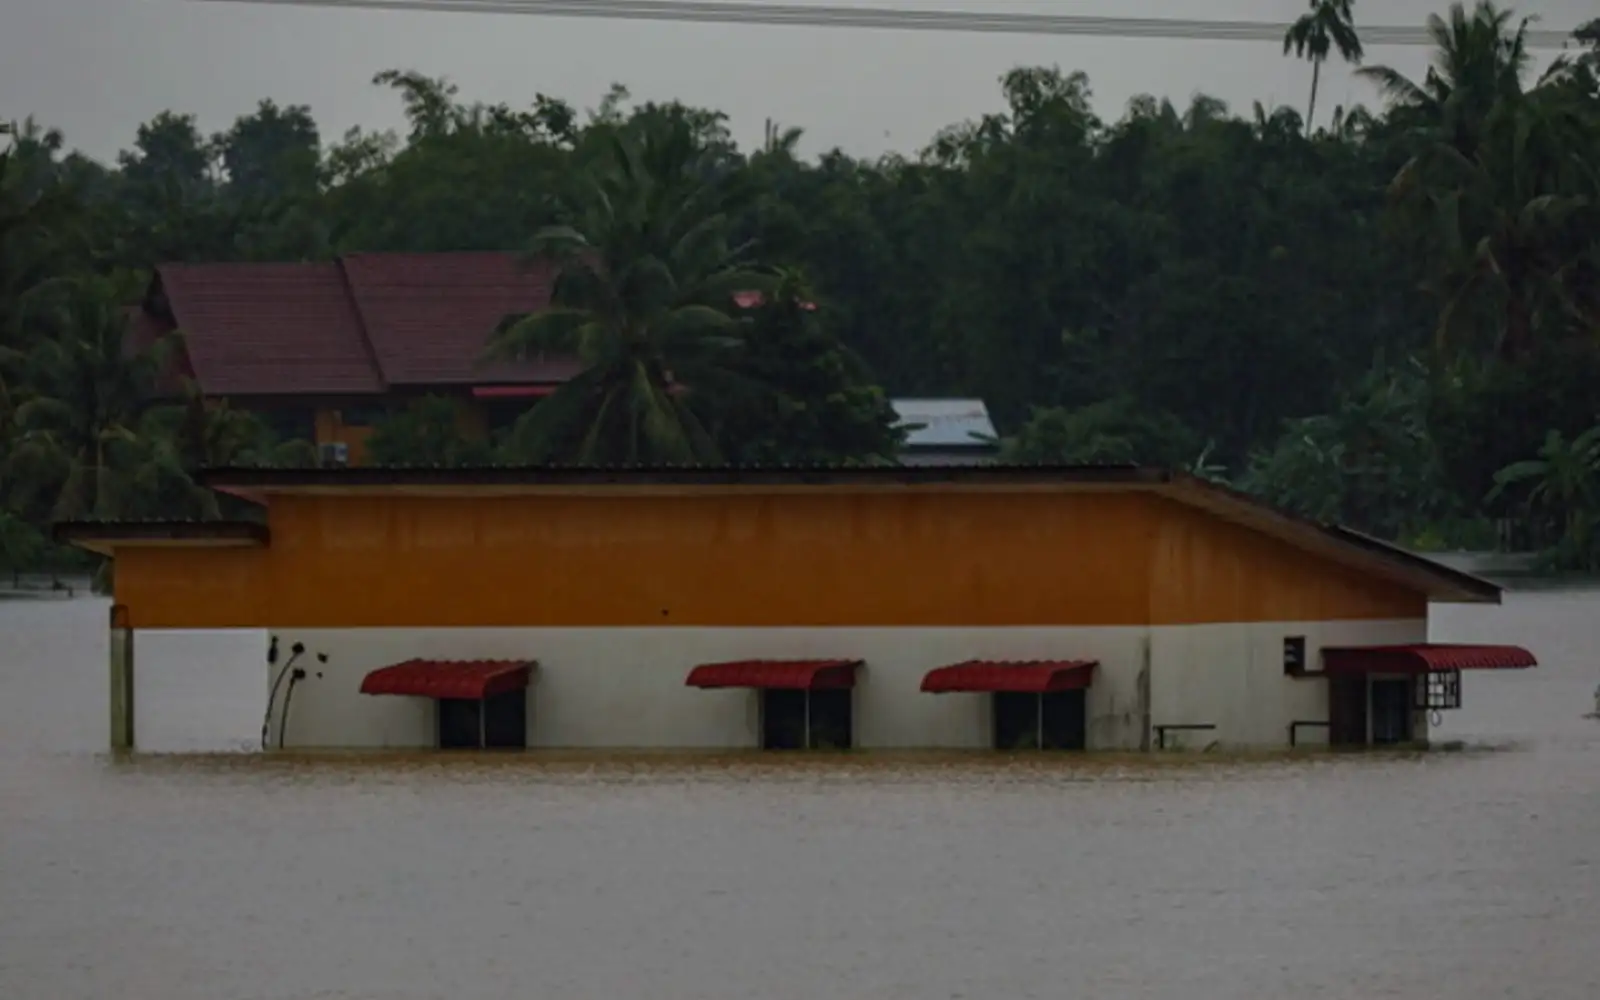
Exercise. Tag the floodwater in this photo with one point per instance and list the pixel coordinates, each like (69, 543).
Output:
(213, 874)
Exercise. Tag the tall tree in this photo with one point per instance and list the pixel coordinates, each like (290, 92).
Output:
(647, 279)
(805, 398)
(1327, 25)
(78, 415)
(1493, 192)
(1479, 60)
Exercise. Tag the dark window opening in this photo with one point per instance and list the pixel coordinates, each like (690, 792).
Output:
(1016, 721)
(499, 722)
(1347, 711)
(1294, 654)
(801, 720)
(460, 724)
(1064, 720)
(831, 719)
(1391, 712)
(364, 416)
(501, 414)
(291, 423)
(1056, 721)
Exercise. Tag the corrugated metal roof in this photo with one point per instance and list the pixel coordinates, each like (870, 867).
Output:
(794, 675)
(1023, 677)
(1422, 658)
(944, 423)
(470, 680)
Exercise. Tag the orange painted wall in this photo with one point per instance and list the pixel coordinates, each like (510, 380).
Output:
(1205, 569)
(814, 559)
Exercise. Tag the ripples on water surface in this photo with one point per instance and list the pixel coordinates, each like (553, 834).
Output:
(195, 874)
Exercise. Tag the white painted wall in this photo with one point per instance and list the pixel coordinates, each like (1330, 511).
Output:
(625, 687)
(1231, 676)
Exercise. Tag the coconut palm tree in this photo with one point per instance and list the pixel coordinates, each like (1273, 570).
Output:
(1496, 190)
(82, 400)
(172, 440)
(1479, 60)
(646, 286)
(1327, 25)
(1563, 483)
(1510, 231)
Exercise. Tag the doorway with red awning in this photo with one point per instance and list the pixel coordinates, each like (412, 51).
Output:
(1377, 694)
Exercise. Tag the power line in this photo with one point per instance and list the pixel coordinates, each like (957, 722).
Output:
(794, 15)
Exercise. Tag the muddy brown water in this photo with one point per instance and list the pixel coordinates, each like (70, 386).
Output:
(204, 872)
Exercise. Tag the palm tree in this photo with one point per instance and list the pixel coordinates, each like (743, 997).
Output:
(1510, 231)
(31, 206)
(1327, 25)
(1565, 483)
(643, 299)
(172, 440)
(82, 398)
(1478, 61)
(1494, 190)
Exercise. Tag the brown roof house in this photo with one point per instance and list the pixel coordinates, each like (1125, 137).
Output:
(323, 350)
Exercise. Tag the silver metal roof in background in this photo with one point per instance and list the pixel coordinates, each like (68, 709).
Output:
(945, 423)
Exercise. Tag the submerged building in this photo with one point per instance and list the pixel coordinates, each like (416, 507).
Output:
(890, 607)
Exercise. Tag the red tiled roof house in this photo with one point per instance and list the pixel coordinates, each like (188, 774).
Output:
(323, 349)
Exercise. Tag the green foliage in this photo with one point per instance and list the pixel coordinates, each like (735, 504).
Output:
(1179, 285)
(22, 545)
(1372, 462)
(1111, 431)
(647, 280)
(1560, 488)
(802, 397)
(427, 432)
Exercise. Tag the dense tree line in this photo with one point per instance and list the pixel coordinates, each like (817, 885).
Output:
(1389, 317)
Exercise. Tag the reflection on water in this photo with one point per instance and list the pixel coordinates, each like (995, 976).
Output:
(204, 872)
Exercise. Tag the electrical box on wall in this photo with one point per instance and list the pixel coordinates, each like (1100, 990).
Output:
(1294, 656)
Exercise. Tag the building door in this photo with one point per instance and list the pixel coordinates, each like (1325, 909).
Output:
(1391, 711)
(1347, 711)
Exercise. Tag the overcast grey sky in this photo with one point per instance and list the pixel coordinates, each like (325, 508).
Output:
(97, 68)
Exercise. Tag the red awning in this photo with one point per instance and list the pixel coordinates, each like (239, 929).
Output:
(471, 680)
(1424, 658)
(1021, 677)
(798, 675)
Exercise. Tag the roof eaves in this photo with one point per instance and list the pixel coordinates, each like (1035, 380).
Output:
(105, 537)
(1477, 588)
(1439, 581)
(683, 475)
